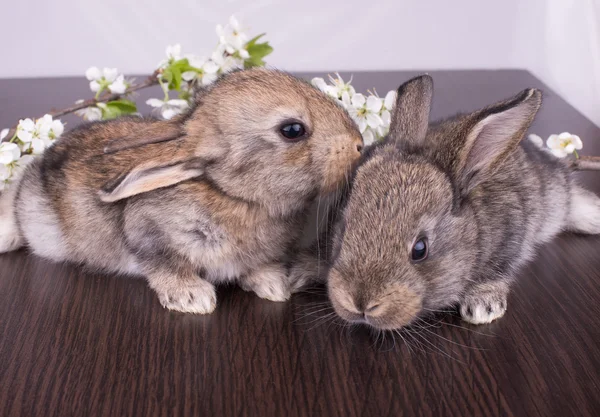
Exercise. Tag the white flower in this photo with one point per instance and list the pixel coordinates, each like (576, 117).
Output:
(4, 133)
(107, 78)
(537, 141)
(118, 86)
(9, 153)
(37, 136)
(232, 38)
(386, 113)
(174, 52)
(339, 87)
(169, 108)
(208, 70)
(89, 113)
(319, 83)
(368, 137)
(365, 111)
(225, 62)
(564, 144)
(390, 100)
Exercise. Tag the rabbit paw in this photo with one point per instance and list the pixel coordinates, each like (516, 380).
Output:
(270, 282)
(484, 303)
(199, 298)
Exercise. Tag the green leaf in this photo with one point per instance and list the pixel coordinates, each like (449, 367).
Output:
(117, 108)
(257, 52)
(253, 40)
(172, 74)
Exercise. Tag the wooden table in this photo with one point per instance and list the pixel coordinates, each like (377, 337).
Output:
(80, 344)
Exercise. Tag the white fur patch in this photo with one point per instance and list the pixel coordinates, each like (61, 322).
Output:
(482, 312)
(41, 226)
(585, 212)
(10, 238)
(199, 298)
(269, 282)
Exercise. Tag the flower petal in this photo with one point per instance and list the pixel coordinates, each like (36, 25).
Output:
(346, 101)
(362, 124)
(577, 142)
(57, 128)
(93, 73)
(93, 113)
(234, 23)
(196, 61)
(390, 99)
(38, 146)
(189, 75)
(358, 100)
(168, 113)
(368, 137)
(118, 86)
(553, 142)
(209, 78)
(569, 148)
(210, 67)
(26, 124)
(110, 74)
(386, 118)
(4, 133)
(319, 83)
(179, 103)
(24, 135)
(154, 102)
(373, 120)
(537, 141)
(564, 135)
(94, 86)
(374, 104)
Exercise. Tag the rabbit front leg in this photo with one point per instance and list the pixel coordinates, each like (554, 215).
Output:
(485, 302)
(180, 288)
(269, 281)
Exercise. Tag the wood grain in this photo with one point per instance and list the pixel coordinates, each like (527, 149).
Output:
(80, 344)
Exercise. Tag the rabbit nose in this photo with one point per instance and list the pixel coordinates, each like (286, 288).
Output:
(359, 144)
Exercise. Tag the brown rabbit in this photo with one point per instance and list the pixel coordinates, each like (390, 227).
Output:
(218, 194)
(448, 213)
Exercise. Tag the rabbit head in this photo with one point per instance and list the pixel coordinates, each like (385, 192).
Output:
(258, 135)
(407, 242)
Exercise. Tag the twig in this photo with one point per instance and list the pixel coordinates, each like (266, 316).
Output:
(585, 163)
(150, 81)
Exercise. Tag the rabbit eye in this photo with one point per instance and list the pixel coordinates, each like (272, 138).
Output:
(420, 250)
(293, 131)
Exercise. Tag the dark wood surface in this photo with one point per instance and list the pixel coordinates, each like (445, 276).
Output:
(80, 344)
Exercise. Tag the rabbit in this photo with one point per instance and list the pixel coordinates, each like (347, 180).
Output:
(216, 195)
(446, 214)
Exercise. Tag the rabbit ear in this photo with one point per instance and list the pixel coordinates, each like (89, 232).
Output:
(410, 118)
(495, 134)
(150, 177)
(156, 134)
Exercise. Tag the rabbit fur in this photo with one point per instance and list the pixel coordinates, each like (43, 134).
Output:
(215, 195)
(482, 197)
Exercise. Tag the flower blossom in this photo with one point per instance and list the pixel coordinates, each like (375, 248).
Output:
(169, 108)
(106, 78)
(564, 144)
(37, 136)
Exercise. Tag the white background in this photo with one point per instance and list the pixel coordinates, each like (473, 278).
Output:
(557, 40)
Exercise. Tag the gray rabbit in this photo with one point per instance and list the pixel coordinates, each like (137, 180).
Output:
(448, 213)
